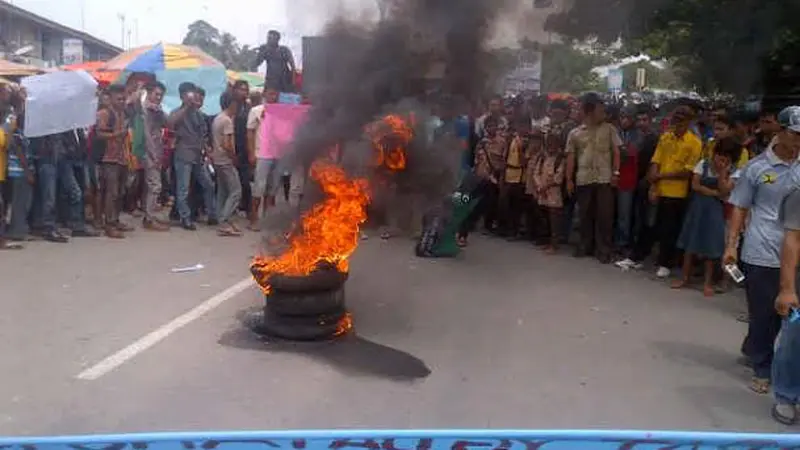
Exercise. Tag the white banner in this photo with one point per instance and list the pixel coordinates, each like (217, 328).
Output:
(58, 102)
(72, 51)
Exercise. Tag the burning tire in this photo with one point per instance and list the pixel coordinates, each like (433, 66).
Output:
(305, 308)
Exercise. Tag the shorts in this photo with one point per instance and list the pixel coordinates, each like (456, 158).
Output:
(267, 178)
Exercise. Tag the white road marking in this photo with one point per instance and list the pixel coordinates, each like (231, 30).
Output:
(154, 337)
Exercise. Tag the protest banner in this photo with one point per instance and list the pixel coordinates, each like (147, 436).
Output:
(59, 101)
(412, 440)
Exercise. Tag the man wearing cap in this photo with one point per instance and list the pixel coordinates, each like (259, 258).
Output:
(760, 192)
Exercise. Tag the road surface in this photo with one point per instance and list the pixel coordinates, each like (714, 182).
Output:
(99, 336)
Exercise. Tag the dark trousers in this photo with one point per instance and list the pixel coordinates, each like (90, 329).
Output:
(21, 200)
(665, 230)
(487, 194)
(762, 285)
(596, 209)
(512, 207)
(552, 225)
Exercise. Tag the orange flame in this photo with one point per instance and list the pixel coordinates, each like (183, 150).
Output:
(390, 137)
(330, 230)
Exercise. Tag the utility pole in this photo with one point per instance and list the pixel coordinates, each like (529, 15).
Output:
(121, 18)
(136, 32)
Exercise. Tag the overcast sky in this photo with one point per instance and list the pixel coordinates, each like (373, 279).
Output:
(151, 21)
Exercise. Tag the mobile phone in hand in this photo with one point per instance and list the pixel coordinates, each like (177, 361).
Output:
(734, 272)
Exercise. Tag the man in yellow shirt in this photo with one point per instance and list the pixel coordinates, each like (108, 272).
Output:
(678, 151)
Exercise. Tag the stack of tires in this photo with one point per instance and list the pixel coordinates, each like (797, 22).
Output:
(306, 308)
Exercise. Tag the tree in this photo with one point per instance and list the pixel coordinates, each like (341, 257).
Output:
(223, 46)
(732, 45)
(204, 36)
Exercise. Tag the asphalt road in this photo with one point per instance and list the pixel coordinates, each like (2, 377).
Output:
(502, 337)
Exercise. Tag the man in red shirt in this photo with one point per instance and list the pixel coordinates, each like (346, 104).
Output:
(626, 186)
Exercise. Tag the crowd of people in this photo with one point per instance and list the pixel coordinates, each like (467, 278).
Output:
(708, 187)
(170, 169)
(704, 185)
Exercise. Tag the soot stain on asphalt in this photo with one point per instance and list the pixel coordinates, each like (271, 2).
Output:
(351, 354)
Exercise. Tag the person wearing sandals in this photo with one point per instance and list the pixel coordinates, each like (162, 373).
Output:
(703, 232)
(759, 193)
(786, 363)
(223, 155)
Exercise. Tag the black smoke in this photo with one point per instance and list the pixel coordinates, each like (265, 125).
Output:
(423, 54)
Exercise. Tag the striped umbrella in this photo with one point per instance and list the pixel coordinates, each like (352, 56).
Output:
(254, 79)
(173, 64)
(97, 69)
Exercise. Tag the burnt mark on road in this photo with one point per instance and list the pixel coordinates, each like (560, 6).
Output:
(351, 354)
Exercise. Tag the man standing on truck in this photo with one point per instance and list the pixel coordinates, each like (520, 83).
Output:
(280, 64)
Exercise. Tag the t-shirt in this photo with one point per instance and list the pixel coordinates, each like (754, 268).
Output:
(676, 154)
(254, 124)
(278, 75)
(593, 147)
(190, 135)
(220, 128)
(764, 184)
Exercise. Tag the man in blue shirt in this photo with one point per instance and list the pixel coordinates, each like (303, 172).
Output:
(760, 191)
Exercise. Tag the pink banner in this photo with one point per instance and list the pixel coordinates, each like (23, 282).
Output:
(278, 128)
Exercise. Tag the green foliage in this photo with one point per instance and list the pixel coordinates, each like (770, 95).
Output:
(730, 45)
(221, 45)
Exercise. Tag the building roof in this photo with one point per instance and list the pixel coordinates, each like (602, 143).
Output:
(85, 37)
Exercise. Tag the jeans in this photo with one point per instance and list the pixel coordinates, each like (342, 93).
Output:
(762, 285)
(21, 201)
(786, 365)
(622, 235)
(184, 171)
(46, 186)
(70, 189)
(229, 191)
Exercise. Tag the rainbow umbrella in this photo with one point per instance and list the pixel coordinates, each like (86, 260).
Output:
(254, 79)
(173, 64)
(97, 69)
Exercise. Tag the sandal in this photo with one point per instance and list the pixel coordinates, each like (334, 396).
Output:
(759, 385)
(461, 241)
(784, 413)
(708, 291)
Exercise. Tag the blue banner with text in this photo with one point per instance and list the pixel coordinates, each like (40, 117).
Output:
(410, 440)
